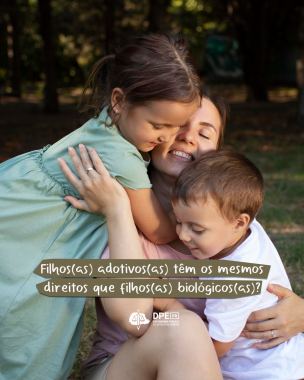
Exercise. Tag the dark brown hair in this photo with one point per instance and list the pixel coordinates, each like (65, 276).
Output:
(233, 182)
(152, 67)
(223, 109)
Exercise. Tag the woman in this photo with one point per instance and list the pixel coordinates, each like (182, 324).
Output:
(197, 136)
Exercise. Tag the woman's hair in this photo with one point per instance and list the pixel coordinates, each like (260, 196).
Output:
(223, 109)
(152, 67)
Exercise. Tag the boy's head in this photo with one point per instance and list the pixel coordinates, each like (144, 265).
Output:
(215, 199)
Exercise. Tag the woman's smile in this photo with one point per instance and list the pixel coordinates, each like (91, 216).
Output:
(181, 155)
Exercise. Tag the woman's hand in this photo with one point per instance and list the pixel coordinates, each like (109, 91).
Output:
(101, 192)
(284, 320)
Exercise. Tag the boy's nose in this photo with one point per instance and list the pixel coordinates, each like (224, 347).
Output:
(183, 234)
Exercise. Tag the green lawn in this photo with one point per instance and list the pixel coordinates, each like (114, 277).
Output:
(282, 214)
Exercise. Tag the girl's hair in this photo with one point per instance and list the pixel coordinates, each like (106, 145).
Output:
(152, 67)
(223, 109)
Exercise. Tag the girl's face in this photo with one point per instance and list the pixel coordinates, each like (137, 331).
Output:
(154, 123)
(196, 137)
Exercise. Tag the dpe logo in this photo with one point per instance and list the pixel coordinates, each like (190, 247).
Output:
(167, 315)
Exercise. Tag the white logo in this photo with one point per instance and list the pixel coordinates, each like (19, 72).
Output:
(138, 319)
(166, 319)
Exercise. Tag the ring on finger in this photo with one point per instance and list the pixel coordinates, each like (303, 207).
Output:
(89, 169)
(273, 334)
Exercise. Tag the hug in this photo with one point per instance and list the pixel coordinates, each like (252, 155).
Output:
(146, 98)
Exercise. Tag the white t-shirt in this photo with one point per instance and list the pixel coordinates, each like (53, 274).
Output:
(227, 318)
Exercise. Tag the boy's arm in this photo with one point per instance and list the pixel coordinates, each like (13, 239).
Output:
(150, 217)
(222, 348)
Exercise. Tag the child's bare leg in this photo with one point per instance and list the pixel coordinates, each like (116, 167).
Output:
(171, 352)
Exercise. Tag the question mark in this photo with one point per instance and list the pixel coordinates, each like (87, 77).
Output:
(258, 284)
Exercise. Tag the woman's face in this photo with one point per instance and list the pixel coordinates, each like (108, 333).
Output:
(199, 135)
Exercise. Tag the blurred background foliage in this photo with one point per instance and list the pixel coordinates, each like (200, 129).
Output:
(255, 42)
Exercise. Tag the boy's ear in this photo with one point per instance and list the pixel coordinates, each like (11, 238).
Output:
(118, 100)
(241, 222)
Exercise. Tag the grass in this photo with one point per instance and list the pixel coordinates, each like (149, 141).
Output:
(281, 161)
(89, 327)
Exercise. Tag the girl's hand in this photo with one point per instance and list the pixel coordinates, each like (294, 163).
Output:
(284, 320)
(101, 192)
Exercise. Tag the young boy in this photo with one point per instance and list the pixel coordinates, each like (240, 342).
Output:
(215, 201)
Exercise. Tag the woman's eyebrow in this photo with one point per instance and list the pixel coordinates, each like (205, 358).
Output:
(205, 124)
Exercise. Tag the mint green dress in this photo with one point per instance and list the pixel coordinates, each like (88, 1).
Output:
(39, 335)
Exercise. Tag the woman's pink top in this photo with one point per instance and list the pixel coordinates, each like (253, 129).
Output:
(109, 337)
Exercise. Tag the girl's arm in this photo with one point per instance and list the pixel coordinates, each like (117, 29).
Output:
(285, 319)
(150, 217)
(148, 214)
(123, 237)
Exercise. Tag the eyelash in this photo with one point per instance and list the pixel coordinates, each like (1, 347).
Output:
(157, 128)
(198, 232)
(205, 137)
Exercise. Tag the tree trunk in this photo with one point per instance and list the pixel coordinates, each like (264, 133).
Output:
(110, 27)
(300, 70)
(158, 15)
(14, 49)
(301, 108)
(250, 20)
(50, 88)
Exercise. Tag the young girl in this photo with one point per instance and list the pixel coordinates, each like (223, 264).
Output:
(140, 96)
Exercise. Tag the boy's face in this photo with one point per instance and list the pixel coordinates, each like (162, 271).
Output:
(203, 229)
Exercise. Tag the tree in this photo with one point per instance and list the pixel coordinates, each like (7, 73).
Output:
(262, 28)
(158, 15)
(13, 29)
(50, 88)
(300, 67)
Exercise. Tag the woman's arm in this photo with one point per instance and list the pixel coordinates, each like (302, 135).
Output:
(148, 214)
(124, 242)
(285, 319)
